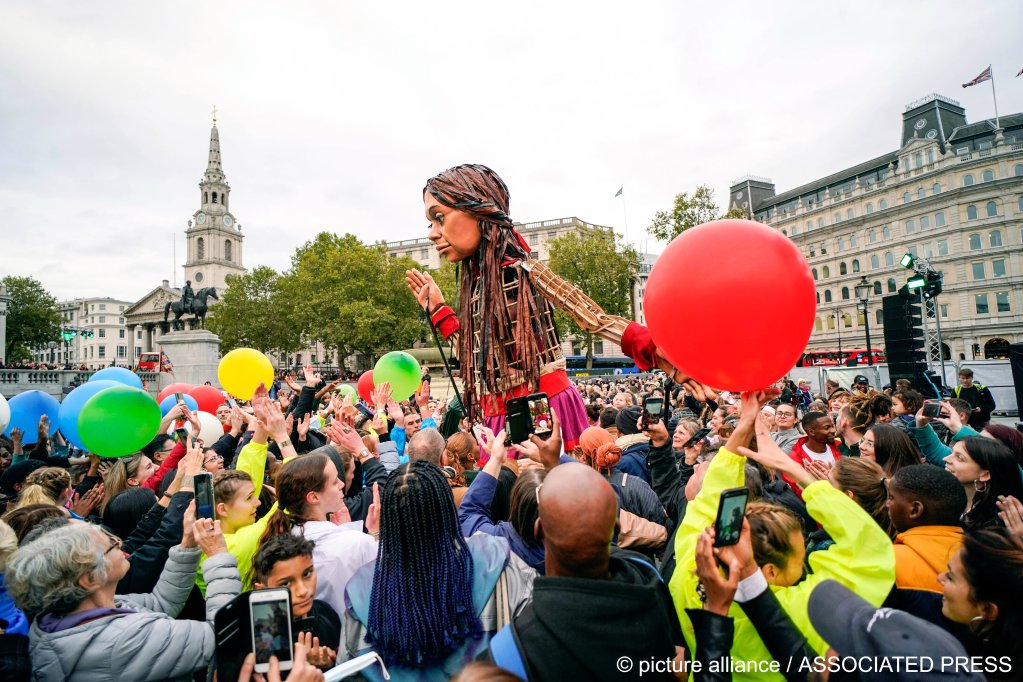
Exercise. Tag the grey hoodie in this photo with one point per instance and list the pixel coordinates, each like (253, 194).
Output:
(144, 642)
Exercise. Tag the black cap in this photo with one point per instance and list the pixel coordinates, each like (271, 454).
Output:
(627, 419)
(860, 379)
(855, 629)
(17, 473)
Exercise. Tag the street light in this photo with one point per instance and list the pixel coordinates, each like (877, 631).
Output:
(839, 315)
(863, 293)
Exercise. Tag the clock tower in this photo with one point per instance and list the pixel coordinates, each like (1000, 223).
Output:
(214, 237)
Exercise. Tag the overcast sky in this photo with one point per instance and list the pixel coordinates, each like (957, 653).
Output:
(333, 114)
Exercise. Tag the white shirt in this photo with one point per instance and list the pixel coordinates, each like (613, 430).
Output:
(338, 554)
(825, 456)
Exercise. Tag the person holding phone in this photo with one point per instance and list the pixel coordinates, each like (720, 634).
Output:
(861, 558)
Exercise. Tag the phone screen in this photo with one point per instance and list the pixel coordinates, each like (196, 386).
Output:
(517, 427)
(731, 510)
(540, 414)
(653, 408)
(271, 630)
(204, 495)
(697, 437)
(179, 398)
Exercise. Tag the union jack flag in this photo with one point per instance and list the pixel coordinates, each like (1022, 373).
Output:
(1020, 73)
(985, 75)
(165, 364)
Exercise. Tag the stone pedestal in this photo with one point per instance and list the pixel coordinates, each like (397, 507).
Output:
(195, 355)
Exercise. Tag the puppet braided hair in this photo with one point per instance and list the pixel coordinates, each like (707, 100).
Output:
(480, 192)
(420, 608)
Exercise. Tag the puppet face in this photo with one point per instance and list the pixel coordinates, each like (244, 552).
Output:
(455, 233)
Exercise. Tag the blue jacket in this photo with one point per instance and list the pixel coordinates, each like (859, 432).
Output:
(17, 624)
(633, 461)
(474, 517)
(398, 438)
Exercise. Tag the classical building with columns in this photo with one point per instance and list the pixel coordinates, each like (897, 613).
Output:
(214, 251)
(951, 193)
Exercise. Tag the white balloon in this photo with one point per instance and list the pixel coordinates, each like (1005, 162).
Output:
(210, 428)
(5, 413)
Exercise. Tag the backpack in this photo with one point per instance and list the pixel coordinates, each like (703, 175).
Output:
(505, 651)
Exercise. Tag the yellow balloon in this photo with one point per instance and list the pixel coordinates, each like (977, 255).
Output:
(242, 371)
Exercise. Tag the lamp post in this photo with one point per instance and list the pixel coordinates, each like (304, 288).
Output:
(838, 315)
(863, 293)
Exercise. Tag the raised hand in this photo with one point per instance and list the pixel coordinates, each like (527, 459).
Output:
(425, 290)
(303, 426)
(373, 513)
(343, 435)
(192, 418)
(1010, 511)
(319, 656)
(381, 396)
(312, 377)
(90, 501)
(720, 589)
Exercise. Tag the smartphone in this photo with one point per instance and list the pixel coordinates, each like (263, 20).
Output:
(204, 503)
(653, 409)
(181, 435)
(270, 618)
(933, 409)
(179, 397)
(697, 437)
(731, 512)
(231, 403)
(527, 415)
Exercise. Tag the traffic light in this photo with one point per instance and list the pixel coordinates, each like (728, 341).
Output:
(905, 345)
(976, 349)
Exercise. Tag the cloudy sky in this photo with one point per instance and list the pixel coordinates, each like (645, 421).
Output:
(333, 114)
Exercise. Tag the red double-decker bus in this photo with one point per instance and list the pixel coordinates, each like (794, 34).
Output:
(843, 358)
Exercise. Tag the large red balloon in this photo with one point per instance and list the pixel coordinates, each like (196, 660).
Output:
(731, 303)
(366, 386)
(209, 398)
(173, 388)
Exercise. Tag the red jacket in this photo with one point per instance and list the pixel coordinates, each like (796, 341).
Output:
(800, 457)
(169, 462)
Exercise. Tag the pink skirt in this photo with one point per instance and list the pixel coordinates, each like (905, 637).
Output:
(571, 410)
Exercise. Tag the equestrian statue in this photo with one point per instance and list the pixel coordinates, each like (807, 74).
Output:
(194, 303)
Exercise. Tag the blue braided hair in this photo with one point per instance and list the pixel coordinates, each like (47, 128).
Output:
(420, 608)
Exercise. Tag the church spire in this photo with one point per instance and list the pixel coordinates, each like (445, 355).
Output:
(214, 171)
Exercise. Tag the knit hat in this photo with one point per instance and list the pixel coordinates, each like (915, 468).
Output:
(599, 448)
(627, 419)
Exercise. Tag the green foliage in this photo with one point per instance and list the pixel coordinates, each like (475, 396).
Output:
(603, 266)
(256, 312)
(736, 212)
(688, 211)
(32, 317)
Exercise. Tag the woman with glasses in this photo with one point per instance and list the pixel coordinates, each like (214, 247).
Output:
(66, 582)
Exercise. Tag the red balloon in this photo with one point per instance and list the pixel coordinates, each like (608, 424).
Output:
(731, 303)
(209, 398)
(173, 388)
(366, 386)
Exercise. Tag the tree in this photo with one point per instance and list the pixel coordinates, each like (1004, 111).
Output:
(689, 211)
(255, 312)
(603, 267)
(736, 212)
(32, 317)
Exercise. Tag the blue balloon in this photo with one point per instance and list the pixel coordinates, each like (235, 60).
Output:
(118, 374)
(27, 408)
(73, 404)
(169, 402)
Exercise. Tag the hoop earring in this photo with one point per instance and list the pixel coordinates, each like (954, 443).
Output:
(977, 485)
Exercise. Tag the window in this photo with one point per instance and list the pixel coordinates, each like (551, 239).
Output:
(892, 286)
(795, 230)
(831, 322)
(942, 247)
(925, 222)
(886, 232)
(944, 309)
(227, 249)
(200, 248)
(784, 232)
(827, 295)
(872, 236)
(875, 262)
(1002, 301)
(121, 309)
(995, 237)
(1018, 171)
(877, 289)
(852, 239)
(910, 226)
(842, 269)
(856, 265)
(889, 259)
(971, 212)
(138, 334)
(936, 188)
(883, 204)
(1019, 205)
(978, 271)
(847, 321)
(138, 351)
(912, 250)
(981, 302)
(534, 240)
(120, 333)
(870, 207)
(214, 197)
(878, 316)
(838, 218)
(826, 272)
(905, 197)
(813, 251)
(841, 243)
(122, 351)
(930, 155)
(967, 180)
(817, 324)
(920, 194)
(598, 346)
(998, 267)
(205, 197)
(845, 293)
(814, 271)
(818, 298)
(102, 306)
(989, 176)
(992, 209)
(809, 225)
(103, 318)
(820, 222)
(918, 159)
(824, 250)
(974, 242)
(849, 214)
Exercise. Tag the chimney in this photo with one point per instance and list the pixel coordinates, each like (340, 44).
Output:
(165, 283)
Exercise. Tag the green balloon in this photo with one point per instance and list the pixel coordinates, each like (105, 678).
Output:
(118, 421)
(401, 370)
(348, 391)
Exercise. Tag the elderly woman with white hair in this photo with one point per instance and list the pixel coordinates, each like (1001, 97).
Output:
(81, 630)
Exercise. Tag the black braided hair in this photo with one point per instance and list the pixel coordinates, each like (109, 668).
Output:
(421, 606)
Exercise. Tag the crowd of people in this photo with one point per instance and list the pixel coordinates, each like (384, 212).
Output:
(402, 530)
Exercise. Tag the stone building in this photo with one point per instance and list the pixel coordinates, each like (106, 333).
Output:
(951, 193)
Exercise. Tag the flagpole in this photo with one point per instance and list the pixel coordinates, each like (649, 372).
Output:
(998, 123)
(625, 213)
